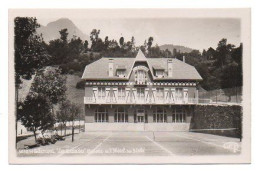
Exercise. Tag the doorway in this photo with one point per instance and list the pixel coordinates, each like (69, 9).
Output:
(140, 115)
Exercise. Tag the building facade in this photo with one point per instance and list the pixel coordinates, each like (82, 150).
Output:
(139, 94)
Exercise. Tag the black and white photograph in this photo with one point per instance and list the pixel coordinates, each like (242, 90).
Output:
(129, 86)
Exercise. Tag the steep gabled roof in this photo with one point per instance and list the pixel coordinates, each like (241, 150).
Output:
(98, 70)
(140, 56)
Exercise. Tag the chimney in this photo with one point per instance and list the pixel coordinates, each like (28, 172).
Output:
(110, 67)
(169, 67)
(183, 59)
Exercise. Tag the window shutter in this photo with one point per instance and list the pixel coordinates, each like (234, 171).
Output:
(185, 95)
(95, 94)
(115, 94)
(127, 95)
(134, 94)
(166, 95)
(146, 96)
(107, 95)
(173, 95)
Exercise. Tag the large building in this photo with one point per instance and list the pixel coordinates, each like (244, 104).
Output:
(139, 94)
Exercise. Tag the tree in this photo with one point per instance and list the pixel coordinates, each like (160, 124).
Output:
(133, 44)
(68, 112)
(231, 77)
(237, 54)
(167, 53)
(156, 52)
(76, 47)
(223, 52)
(74, 114)
(59, 49)
(106, 43)
(95, 40)
(62, 115)
(30, 51)
(149, 45)
(35, 113)
(204, 53)
(86, 46)
(51, 83)
(174, 52)
(144, 47)
(121, 41)
(64, 35)
(210, 53)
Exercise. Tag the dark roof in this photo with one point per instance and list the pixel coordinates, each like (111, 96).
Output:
(98, 70)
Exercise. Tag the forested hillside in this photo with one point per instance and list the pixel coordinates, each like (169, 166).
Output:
(220, 67)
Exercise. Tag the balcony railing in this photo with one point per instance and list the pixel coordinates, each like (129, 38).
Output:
(93, 100)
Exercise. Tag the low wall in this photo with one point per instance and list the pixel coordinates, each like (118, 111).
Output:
(226, 120)
(137, 126)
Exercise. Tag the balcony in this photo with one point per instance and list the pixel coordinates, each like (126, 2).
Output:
(141, 101)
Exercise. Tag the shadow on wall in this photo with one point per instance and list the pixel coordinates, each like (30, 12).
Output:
(218, 120)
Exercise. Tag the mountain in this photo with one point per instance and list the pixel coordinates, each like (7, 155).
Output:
(170, 47)
(51, 31)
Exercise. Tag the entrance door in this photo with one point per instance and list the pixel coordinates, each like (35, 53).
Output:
(140, 116)
(140, 119)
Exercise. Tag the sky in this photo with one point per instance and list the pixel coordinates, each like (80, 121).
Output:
(197, 33)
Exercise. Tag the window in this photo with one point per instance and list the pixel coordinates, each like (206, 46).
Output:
(101, 92)
(121, 93)
(159, 73)
(101, 115)
(140, 93)
(121, 115)
(121, 73)
(140, 77)
(159, 115)
(179, 115)
(160, 93)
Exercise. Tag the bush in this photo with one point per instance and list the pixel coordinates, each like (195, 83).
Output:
(218, 117)
(71, 66)
(71, 71)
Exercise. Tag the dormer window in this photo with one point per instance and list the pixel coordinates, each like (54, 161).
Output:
(159, 71)
(121, 71)
(141, 75)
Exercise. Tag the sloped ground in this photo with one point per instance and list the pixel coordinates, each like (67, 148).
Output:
(24, 89)
(73, 94)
